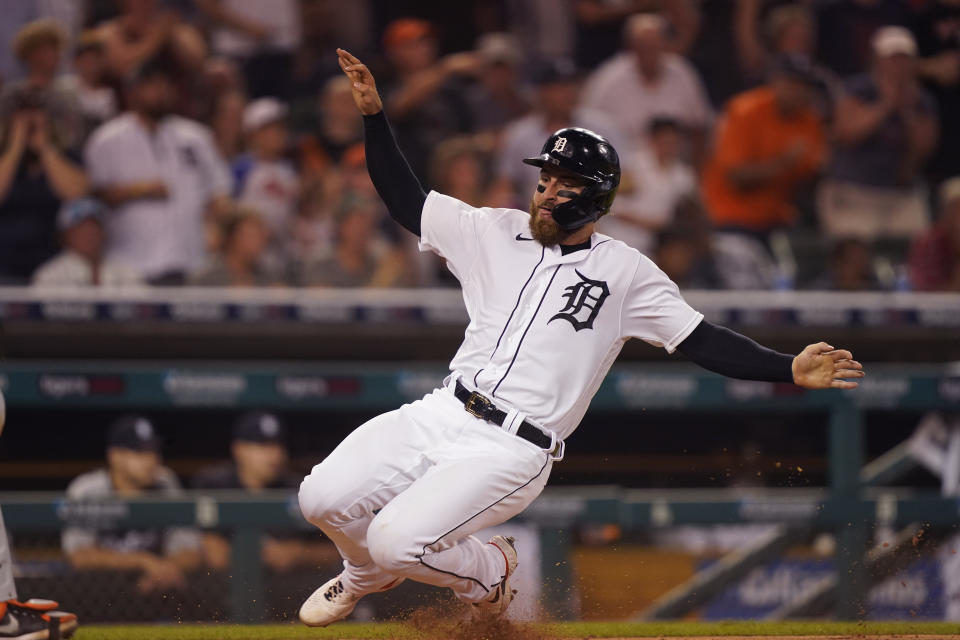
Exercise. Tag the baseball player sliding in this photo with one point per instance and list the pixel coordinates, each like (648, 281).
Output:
(550, 303)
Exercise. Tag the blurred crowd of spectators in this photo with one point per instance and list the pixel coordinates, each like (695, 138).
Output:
(764, 144)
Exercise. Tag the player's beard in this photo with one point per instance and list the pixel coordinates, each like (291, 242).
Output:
(544, 230)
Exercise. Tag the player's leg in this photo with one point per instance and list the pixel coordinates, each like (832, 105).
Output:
(369, 468)
(484, 479)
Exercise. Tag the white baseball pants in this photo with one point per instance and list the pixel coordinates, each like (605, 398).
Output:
(402, 494)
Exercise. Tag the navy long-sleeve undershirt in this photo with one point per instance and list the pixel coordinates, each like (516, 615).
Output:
(391, 174)
(729, 353)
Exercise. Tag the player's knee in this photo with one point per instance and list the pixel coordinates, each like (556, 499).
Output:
(389, 548)
(318, 499)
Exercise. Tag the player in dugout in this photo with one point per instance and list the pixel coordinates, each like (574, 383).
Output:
(259, 462)
(33, 619)
(551, 303)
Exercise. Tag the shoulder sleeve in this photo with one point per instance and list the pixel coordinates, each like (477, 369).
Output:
(654, 310)
(452, 229)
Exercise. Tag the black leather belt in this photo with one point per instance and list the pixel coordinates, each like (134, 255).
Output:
(481, 407)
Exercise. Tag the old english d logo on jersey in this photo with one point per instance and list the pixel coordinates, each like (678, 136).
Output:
(584, 300)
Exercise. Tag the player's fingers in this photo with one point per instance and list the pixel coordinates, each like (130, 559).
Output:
(840, 354)
(848, 373)
(847, 364)
(348, 56)
(820, 347)
(345, 64)
(359, 72)
(843, 384)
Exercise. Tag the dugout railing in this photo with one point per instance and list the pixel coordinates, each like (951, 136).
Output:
(846, 507)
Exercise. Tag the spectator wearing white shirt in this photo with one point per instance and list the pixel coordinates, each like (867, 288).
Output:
(557, 84)
(264, 179)
(81, 263)
(655, 181)
(160, 174)
(646, 81)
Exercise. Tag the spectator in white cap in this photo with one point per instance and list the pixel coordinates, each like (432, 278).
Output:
(885, 128)
(82, 262)
(265, 180)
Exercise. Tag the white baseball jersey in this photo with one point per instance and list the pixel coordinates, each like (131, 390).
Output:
(546, 327)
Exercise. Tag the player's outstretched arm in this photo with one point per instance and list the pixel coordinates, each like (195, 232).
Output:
(820, 366)
(389, 170)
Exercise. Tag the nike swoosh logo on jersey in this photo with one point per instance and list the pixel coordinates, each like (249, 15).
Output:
(11, 627)
(520, 237)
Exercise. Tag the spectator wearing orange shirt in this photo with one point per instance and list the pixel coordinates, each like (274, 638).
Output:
(769, 141)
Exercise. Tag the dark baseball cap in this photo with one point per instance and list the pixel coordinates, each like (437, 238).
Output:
(260, 427)
(133, 432)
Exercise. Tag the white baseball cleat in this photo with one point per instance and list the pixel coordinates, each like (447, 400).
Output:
(331, 603)
(326, 605)
(501, 597)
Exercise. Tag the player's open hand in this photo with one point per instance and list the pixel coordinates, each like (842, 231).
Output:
(362, 82)
(820, 366)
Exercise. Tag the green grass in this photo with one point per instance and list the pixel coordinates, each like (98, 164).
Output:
(560, 630)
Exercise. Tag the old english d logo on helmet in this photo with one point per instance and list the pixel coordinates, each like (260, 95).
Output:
(593, 158)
